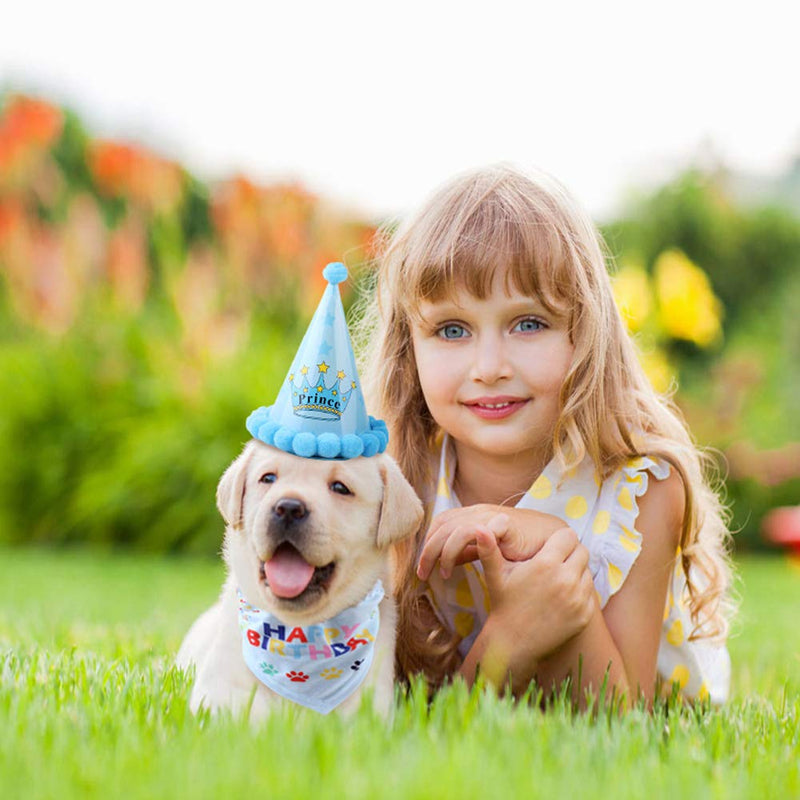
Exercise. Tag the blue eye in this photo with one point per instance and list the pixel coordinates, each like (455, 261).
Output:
(451, 331)
(529, 325)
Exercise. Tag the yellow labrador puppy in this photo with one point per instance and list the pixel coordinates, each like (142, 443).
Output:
(303, 609)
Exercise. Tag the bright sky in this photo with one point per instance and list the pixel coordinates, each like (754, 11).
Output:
(374, 104)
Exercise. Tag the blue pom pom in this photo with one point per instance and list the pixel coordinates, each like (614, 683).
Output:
(371, 444)
(328, 445)
(266, 431)
(352, 446)
(377, 425)
(382, 437)
(283, 439)
(256, 420)
(378, 428)
(305, 444)
(335, 272)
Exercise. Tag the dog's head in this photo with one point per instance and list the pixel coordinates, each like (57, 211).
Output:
(307, 538)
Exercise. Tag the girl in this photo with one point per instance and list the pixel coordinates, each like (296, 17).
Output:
(569, 527)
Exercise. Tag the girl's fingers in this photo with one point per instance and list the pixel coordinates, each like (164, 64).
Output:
(430, 552)
(560, 546)
(469, 553)
(500, 526)
(491, 559)
(576, 564)
(441, 530)
(436, 542)
(458, 540)
(580, 557)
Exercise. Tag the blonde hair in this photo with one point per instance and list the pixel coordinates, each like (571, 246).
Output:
(528, 229)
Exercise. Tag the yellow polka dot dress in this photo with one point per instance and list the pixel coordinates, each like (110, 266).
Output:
(603, 515)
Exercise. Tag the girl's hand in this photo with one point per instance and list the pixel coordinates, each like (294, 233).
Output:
(452, 538)
(538, 604)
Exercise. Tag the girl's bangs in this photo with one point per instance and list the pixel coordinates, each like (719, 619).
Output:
(470, 254)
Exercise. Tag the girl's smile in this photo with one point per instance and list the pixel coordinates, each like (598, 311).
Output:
(495, 407)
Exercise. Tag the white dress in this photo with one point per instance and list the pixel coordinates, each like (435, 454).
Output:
(603, 515)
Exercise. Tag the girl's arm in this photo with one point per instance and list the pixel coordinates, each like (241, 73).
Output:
(623, 638)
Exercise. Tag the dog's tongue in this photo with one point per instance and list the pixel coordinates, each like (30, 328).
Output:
(288, 573)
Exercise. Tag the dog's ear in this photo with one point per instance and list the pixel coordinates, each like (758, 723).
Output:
(232, 487)
(401, 510)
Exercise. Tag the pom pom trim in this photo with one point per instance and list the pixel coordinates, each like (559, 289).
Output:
(324, 445)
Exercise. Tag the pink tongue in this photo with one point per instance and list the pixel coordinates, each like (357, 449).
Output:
(288, 573)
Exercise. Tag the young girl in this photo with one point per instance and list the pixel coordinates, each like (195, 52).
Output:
(569, 527)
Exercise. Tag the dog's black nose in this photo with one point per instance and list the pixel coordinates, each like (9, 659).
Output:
(289, 509)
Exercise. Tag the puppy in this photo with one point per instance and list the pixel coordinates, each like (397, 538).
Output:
(306, 539)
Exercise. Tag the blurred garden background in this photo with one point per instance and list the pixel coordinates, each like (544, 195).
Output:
(144, 312)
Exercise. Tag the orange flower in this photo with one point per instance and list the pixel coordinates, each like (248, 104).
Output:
(130, 171)
(29, 121)
(27, 129)
(111, 165)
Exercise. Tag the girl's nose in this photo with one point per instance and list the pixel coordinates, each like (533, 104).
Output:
(491, 362)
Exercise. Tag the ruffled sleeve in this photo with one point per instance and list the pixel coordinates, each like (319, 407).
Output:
(612, 539)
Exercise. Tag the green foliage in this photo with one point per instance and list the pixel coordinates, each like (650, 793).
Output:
(196, 212)
(69, 152)
(112, 436)
(90, 706)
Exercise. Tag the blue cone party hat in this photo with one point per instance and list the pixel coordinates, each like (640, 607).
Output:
(320, 410)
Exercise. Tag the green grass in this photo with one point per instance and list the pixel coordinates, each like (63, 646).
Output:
(90, 706)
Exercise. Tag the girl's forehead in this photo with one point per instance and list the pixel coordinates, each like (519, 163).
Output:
(500, 286)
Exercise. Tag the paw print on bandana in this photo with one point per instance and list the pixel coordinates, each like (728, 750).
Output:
(297, 677)
(268, 669)
(356, 665)
(329, 673)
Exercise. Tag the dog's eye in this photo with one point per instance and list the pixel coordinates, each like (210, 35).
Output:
(268, 477)
(340, 488)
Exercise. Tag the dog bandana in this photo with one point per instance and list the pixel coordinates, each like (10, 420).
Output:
(317, 666)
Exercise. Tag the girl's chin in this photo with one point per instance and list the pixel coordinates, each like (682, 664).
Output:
(502, 444)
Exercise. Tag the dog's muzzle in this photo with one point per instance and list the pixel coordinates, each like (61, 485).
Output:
(288, 521)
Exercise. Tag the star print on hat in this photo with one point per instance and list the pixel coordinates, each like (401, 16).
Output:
(320, 410)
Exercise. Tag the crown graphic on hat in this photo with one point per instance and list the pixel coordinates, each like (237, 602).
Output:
(320, 410)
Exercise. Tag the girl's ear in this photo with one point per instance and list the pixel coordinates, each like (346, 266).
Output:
(232, 487)
(401, 511)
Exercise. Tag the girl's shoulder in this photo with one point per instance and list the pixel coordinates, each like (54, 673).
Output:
(612, 515)
(647, 483)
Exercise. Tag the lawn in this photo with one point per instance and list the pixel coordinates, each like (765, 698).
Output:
(90, 706)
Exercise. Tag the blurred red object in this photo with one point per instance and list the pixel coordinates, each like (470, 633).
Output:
(781, 526)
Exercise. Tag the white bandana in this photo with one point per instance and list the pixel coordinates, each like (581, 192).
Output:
(317, 666)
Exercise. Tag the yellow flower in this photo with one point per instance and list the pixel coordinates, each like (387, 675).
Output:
(658, 369)
(689, 309)
(633, 295)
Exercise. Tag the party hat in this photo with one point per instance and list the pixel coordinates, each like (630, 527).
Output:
(320, 410)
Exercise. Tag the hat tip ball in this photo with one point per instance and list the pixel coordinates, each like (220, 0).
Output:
(335, 272)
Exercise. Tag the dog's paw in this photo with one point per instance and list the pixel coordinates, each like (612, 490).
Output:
(297, 677)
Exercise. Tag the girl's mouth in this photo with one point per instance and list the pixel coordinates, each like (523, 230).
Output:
(495, 407)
